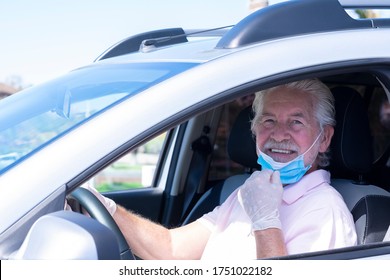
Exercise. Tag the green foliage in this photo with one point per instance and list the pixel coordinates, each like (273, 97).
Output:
(361, 13)
(107, 187)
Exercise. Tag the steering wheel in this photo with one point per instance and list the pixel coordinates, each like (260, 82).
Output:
(97, 211)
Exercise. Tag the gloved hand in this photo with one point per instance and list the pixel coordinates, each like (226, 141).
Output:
(108, 203)
(261, 196)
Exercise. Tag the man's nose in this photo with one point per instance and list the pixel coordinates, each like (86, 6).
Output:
(280, 132)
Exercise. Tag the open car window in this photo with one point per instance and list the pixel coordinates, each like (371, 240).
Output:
(134, 170)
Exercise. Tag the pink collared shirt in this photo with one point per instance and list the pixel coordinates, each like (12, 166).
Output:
(313, 214)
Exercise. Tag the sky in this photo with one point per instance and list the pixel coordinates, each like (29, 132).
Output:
(43, 39)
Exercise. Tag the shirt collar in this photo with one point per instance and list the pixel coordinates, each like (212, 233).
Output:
(310, 181)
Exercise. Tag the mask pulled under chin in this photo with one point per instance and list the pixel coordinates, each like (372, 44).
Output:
(290, 172)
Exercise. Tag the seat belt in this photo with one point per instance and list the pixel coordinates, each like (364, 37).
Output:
(202, 148)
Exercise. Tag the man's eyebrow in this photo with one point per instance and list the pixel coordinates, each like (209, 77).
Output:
(266, 114)
(299, 115)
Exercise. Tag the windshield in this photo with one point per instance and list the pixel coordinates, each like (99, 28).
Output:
(32, 118)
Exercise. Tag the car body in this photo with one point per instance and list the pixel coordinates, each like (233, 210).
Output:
(69, 131)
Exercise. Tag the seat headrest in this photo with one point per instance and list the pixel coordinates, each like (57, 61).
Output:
(241, 146)
(351, 146)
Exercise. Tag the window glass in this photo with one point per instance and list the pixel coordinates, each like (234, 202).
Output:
(134, 170)
(368, 13)
(35, 117)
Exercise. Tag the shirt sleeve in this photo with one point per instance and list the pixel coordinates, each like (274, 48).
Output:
(214, 218)
(209, 220)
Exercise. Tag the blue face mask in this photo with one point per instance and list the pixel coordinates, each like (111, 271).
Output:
(290, 172)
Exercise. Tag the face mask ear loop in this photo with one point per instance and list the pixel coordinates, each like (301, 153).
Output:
(312, 145)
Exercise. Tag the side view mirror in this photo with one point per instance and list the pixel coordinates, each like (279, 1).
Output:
(66, 235)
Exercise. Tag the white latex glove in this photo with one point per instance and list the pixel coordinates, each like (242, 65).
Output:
(261, 196)
(108, 203)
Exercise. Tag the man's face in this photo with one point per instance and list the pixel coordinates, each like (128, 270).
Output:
(288, 127)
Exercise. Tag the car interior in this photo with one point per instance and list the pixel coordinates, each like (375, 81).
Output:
(350, 169)
(216, 152)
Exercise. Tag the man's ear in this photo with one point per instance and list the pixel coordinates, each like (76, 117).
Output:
(326, 138)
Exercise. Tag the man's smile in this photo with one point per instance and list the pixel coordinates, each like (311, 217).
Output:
(281, 151)
(281, 155)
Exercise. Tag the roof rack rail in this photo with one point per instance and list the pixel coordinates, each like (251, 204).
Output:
(292, 18)
(132, 44)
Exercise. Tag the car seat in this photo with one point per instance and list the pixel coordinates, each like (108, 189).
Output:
(351, 162)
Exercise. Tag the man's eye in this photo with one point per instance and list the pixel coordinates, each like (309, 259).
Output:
(296, 123)
(268, 122)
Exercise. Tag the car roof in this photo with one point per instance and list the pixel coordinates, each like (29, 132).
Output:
(285, 19)
(195, 51)
(282, 20)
